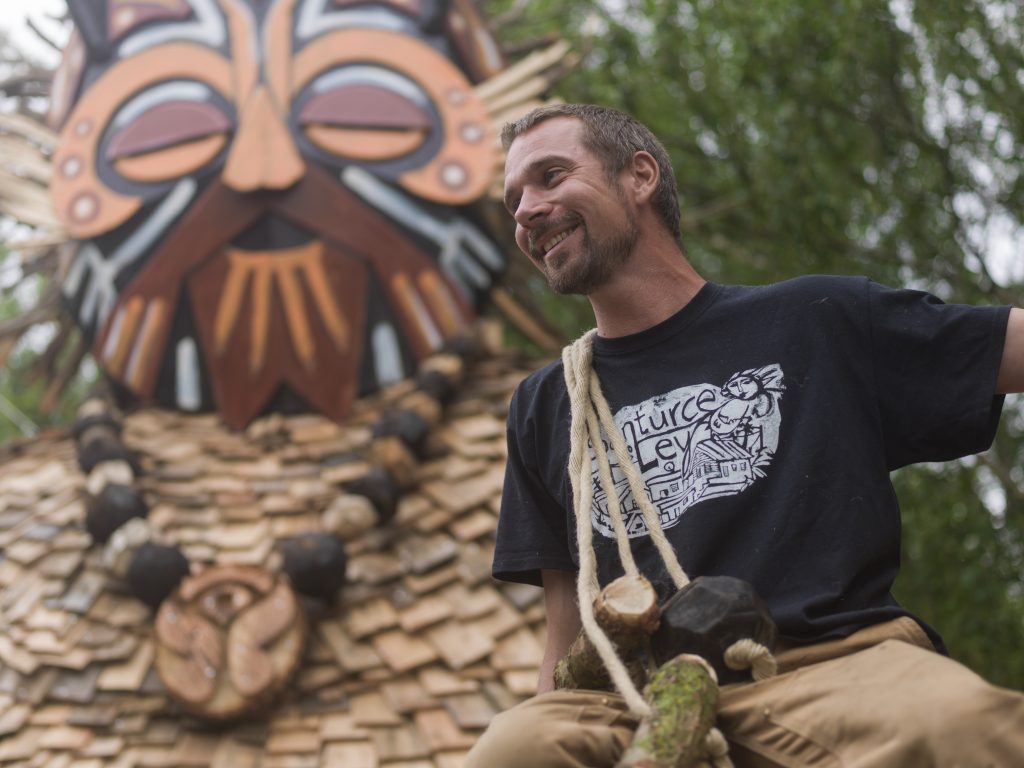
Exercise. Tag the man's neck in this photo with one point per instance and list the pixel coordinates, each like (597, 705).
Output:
(654, 285)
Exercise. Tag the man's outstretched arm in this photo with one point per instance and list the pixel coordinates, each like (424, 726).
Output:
(563, 622)
(1011, 370)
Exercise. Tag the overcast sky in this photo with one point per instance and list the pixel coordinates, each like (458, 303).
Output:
(12, 19)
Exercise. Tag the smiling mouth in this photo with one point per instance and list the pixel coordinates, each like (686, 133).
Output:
(552, 242)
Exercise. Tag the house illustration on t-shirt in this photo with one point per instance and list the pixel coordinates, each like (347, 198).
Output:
(692, 444)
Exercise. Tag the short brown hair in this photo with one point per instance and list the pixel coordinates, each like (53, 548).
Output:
(613, 136)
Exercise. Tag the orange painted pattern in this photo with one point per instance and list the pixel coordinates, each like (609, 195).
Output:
(263, 155)
(266, 277)
(85, 205)
(439, 297)
(146, 348)
(129, 322)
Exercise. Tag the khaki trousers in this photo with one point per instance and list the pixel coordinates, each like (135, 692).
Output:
(881, 697)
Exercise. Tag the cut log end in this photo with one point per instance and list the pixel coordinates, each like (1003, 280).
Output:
(628, 607)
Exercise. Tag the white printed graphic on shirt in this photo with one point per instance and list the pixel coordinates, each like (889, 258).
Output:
(694, 443)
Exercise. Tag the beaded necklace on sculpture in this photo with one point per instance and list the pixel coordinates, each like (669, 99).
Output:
(229, 638)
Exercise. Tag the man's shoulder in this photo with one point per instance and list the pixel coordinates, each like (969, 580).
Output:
(806, 290)
(821, 285)
(541, 388)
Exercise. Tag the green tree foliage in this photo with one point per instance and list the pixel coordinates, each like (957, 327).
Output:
(29, 369)
(847, 137)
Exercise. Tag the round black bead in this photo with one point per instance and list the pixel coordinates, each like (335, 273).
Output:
(436, 385)
(155, 572)
(82, 425)
(408, 426)
(111, 508)
(380, 488)
(463, 345)
(315, 563)
(104, 449)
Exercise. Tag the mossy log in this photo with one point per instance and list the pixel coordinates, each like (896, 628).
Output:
(683, 694)
(627, 611)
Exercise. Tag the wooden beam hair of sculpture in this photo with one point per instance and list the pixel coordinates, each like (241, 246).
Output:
(273, 200)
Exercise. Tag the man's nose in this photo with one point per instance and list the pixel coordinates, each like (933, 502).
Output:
(263, 154)
(532, 208)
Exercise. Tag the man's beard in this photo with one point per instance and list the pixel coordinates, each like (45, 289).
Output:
(594, 265)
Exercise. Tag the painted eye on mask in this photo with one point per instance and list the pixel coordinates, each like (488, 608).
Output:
(366, 113)
(166, 133)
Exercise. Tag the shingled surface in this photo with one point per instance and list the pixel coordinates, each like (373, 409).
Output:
(421, 649)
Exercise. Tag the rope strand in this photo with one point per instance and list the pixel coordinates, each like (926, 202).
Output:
(576, 362)
(650, 515)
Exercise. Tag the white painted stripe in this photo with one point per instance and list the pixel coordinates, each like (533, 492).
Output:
(187, 390)
(387, 355)
(176, 90)
(365, 73)
(394, 203)
(115, 334)
(314, 20)
(208, 27)
(73, 280)
(156, 225)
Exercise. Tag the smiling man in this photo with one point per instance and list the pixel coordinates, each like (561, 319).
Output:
(764, 422)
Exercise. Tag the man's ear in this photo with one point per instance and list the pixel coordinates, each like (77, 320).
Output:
(645, 175)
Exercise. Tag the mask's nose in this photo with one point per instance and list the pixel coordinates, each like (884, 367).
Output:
(263, 154)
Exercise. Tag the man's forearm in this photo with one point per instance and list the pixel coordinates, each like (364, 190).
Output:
(563, 622)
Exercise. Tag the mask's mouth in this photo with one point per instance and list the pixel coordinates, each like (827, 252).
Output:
(272, 233)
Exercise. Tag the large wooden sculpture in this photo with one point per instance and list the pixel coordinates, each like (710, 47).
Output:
(271, 198)
(256, 208)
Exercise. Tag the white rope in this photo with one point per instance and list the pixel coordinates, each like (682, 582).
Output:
(668, 554)
(749, 654)
(717, 749)
(576, 366)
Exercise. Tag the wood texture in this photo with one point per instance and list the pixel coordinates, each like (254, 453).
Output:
(227, 642)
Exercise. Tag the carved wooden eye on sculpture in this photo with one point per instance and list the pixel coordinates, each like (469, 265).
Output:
(397, 105)
(166, 133)
(366, 113)
(88, 190)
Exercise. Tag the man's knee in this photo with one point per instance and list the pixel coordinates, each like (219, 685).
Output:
(563, 729)
(510, 740)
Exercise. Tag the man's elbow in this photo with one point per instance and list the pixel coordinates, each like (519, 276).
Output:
(1011, 368)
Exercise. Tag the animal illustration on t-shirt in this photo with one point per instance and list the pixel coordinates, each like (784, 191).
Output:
(694, 443)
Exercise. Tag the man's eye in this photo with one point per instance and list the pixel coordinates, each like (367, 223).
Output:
(552, 175)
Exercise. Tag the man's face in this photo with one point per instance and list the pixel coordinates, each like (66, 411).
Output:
(574, 225)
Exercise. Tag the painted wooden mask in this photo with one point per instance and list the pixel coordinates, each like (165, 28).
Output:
(271, 196)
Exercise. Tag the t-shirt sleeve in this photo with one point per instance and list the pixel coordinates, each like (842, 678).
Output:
(935, 370)
(532, 530)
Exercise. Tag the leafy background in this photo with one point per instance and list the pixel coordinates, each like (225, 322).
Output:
(852, 137)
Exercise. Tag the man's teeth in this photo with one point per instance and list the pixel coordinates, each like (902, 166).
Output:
(557, 239)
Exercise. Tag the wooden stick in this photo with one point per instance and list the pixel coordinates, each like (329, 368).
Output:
(627, 610)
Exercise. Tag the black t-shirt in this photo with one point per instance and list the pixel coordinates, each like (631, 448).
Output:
(765, 421)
